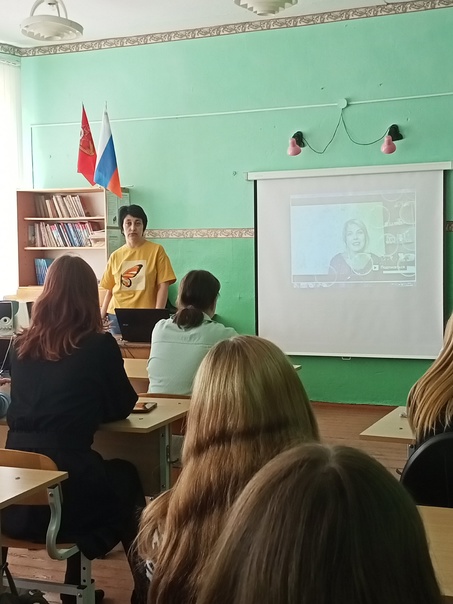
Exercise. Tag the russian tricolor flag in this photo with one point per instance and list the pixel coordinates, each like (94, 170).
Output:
(106, 173)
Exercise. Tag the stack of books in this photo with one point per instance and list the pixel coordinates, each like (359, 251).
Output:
(60, 234)
(59, 206)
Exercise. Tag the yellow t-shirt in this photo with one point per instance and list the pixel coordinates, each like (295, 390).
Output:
(133, 274)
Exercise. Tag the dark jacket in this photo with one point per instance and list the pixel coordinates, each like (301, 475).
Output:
(56, 407)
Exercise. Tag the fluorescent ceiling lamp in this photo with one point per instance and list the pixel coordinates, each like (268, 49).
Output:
(265, 8)
(51, 28)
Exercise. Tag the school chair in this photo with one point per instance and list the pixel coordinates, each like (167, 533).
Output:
(428, 473)
(57, 551)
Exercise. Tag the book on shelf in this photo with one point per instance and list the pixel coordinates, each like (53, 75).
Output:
(64, 234)
(97, 238)
(32, 236)
(41, 267)
(59, 206)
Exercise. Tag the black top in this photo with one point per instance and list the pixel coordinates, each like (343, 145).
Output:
(72, 396)
(56, 407)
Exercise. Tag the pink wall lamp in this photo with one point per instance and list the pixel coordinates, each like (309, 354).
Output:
(392, 135)
(298, 141)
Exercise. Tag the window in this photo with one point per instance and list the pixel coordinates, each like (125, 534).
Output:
(10, 167)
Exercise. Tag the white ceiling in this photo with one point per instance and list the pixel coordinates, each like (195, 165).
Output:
(119, 18)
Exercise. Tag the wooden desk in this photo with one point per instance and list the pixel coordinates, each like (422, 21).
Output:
(391, 428)
(137, 373)
(136, 368)
(20, 483)
(439, 530)
(142, 438)
(133, 350)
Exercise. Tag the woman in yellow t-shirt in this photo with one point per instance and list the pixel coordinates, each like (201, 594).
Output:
(139, 273)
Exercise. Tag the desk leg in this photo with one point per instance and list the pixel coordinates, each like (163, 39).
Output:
(164, 457)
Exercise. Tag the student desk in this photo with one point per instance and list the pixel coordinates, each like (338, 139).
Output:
(137, 373)
(439, 530)
(133, 350)
(142, 438)
(393, 427)
(19, 483)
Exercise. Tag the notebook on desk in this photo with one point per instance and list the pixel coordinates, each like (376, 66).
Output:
(137, 324)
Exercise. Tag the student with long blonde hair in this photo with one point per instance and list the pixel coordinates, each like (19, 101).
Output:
(321, 525)
(430, 401)
(248, 405)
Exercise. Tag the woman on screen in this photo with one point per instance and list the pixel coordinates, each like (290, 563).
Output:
(355, 263)
(321, 525)
(430, 401)
(248, 405)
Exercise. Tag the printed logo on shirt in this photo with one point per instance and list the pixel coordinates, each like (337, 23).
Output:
(133, 275)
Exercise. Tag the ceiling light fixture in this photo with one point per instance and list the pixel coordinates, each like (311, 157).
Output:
(51, 28)
(265, 8)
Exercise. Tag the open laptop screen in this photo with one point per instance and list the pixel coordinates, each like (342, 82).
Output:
(137, 324)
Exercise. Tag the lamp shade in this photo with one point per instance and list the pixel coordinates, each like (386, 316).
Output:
(388, 145)
(293, 148)
(265, 8)
(51, 28)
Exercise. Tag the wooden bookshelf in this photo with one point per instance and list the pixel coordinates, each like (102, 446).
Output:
(65, 233)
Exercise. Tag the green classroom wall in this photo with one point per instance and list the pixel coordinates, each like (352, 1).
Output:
(188, 168)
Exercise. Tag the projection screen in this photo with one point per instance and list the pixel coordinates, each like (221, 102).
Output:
(350, 262)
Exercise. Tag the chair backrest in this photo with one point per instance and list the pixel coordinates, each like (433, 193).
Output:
(11, 458)
(428, 473)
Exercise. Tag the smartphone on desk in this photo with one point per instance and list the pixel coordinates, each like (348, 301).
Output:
(144, 407)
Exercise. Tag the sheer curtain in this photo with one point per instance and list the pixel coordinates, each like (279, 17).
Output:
(10, 170)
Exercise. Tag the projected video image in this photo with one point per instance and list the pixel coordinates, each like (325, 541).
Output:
(358, 238)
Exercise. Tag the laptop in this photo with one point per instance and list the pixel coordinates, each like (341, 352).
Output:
(137, 324)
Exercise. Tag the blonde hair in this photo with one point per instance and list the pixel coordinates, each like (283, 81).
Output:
(248, 405)
(430, 400)
(319, 525)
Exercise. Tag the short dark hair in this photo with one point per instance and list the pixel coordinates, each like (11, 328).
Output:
(132, 210)
(198, 291)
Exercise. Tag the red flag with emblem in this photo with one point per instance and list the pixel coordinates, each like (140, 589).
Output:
(86, 164)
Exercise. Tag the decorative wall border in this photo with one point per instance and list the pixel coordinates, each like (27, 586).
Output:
(393, 8)
(7, 49)
(199, 233)
(220, 233)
